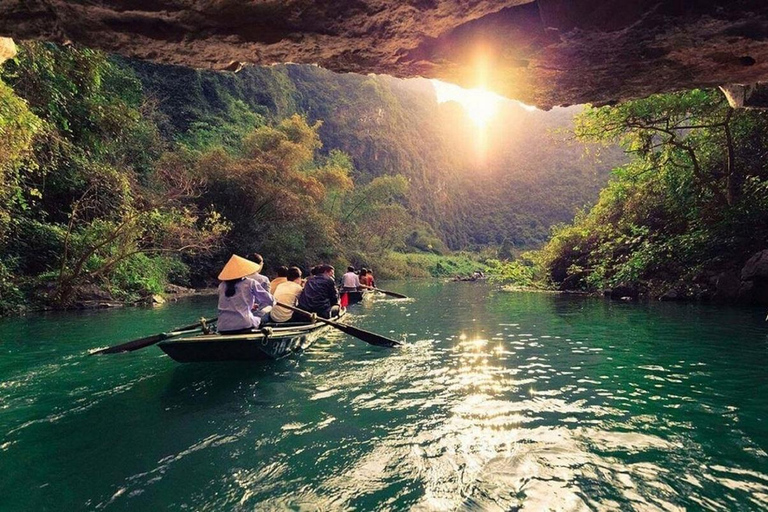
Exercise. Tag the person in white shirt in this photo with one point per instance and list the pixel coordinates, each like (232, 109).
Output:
(350, 282)
(287, 293)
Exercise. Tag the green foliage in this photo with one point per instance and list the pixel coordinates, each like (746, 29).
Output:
(690, 204)
(37, 246)
(82, 196)
(140, 275)
(123, 174)
(285, 201)
(271, 194)
(528, 180)
(523, 272)
(397, 265)
(11, 297)
(227, 131)
(423, 238)
(18, 129)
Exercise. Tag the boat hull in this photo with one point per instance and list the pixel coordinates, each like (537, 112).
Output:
(357, 296)
(267, 344)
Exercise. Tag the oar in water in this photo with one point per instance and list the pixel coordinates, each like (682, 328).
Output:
(130, 346)
(366, 336)
(386, 292)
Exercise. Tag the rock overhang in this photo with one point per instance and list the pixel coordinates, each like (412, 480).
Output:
(542, 52)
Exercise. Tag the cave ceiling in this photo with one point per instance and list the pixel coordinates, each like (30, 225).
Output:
(544, 53)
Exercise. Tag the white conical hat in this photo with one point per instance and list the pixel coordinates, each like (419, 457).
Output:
(238, 267)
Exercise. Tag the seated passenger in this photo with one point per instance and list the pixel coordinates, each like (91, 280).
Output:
(320, 295)
(260, 278)
(282, 273)
(287, 293)
(238, 295)
(366, 279)
(261, 309)
(349, 281)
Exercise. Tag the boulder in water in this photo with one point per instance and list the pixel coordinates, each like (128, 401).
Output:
(756, 267)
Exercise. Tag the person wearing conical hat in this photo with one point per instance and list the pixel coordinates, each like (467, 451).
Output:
(238, 294)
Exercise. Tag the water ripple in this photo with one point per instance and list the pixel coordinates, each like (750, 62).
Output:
(520, 402)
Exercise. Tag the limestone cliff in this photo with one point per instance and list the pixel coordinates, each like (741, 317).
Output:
(545, 52)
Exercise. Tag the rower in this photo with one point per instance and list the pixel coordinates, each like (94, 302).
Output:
(320, 295)
(350, 282)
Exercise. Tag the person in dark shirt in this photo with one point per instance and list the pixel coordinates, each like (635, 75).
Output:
(320, 295)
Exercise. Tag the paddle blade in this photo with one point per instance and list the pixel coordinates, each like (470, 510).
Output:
(132, 345)
(366, 336)
(392, 294)
(344, 302)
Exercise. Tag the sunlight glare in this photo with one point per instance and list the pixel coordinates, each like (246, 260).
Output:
(480, 105)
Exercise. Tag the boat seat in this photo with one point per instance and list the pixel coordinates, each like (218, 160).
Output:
(293, 324)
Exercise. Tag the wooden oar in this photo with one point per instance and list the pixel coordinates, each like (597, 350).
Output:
(130, 346)
(366, 336)
(386, 292)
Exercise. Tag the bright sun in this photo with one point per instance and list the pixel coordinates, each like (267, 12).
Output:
(480, 105)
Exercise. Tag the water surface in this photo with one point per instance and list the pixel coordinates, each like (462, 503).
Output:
(498, 401)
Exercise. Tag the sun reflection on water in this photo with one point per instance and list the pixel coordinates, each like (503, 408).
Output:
(504, 428)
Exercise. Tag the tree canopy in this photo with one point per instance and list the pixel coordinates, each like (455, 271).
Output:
(688, 209)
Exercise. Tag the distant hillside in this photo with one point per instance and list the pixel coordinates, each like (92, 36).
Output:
(529, 178)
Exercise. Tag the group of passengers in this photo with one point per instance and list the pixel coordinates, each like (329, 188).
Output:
(353, 282)
(247, 299)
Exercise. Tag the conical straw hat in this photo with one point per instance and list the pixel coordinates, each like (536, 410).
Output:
(238, 267)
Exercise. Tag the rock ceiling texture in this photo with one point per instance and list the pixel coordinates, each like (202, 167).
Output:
(544, 52)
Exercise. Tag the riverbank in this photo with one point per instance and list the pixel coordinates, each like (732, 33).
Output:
(90, 297)
(398, 265)
(680, 293)
(390, 266)
(511, 288)
(740, 280)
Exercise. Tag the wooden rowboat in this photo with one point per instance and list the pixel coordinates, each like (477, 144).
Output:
(271, 342)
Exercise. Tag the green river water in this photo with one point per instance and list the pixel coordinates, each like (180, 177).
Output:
(498, 401)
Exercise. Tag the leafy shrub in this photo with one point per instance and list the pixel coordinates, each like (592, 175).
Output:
(11, 298)
(142, 275)
(523, 272)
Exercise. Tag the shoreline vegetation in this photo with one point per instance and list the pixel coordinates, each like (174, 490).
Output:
(121, 179)
(104, 202)
(419, 266)
(685, 219)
